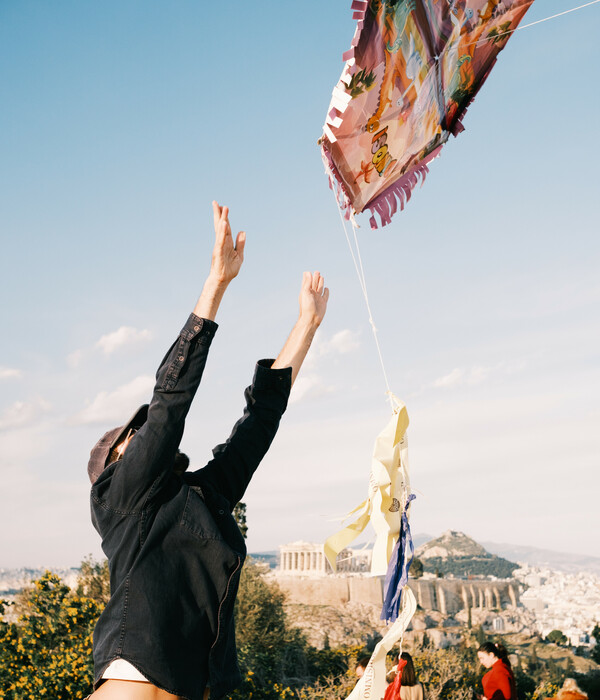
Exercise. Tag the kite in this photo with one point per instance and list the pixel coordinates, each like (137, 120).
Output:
(413, 69)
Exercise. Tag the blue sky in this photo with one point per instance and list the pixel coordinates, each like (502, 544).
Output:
(121, 121)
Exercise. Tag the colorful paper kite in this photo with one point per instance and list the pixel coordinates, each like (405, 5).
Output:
(413, 69)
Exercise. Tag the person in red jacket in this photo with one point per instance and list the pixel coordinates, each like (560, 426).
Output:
(499, 682)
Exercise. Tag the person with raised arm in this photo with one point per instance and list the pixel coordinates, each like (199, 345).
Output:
(174, 550)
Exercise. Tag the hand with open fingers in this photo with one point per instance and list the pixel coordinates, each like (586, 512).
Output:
(227, 258)
(313, 298)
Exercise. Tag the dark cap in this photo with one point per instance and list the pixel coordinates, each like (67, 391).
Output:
(101, 450)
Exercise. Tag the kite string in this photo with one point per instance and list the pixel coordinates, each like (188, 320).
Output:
(531, 24)
(362, 280)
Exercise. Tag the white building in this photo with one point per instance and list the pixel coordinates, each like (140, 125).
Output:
(308, 559)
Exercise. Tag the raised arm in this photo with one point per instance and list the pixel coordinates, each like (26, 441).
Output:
(147, 460)
(313, 304)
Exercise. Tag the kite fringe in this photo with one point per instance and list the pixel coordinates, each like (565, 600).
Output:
(336, 185)
(386, 204)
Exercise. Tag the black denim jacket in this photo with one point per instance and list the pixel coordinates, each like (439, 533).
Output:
(174, 550)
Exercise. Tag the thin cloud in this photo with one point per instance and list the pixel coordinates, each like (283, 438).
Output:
(74, 359)
(455, 378)
(23, 413)
(473, 376)
(341, 343)
(109, 343)
(310, 386)
(10, 373)
(125, 335)
(115, 406)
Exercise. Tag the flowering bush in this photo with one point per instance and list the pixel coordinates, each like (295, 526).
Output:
(47, 653)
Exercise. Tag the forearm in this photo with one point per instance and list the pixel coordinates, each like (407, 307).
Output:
(296, 346)
(210, 298)
(236, 460)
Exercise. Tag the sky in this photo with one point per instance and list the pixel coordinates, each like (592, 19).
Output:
(121, 121)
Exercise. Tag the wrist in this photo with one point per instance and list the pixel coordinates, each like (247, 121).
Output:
(308, 322)
(215, 284)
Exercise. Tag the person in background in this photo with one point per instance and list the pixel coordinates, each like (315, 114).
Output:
(361, 665)
(499, 682)
(405, 685)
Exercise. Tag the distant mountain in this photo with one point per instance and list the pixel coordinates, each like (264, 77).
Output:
(457, 554)
(546, 558)
(451, 544)
(420, 539)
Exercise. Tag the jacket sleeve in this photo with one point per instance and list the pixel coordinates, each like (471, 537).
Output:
(148, 459)
(235, 461)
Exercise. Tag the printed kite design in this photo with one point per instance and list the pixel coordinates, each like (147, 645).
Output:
(412, 71)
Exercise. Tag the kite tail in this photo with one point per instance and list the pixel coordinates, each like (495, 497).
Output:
(397, 573)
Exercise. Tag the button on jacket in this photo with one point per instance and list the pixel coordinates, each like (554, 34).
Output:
(174, 549)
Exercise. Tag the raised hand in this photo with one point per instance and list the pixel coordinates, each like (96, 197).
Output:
(227, 259)
(226, 262)
(313, 298)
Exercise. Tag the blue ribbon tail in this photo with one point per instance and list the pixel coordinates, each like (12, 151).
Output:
(397, 574)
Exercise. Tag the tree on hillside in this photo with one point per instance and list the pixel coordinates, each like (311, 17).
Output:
(267, 646)
(596, 650)
(557, 637)
(94, 581)
(416, 568)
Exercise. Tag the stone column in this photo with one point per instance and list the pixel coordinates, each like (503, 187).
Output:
(442, 600)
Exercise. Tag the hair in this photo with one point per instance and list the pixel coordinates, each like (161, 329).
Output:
(363, 662)
(498, 650)
(409, 676)
(181, 463)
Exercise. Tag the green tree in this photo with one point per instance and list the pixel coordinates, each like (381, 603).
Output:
(596, 650)
(416, 568)
(239, 513)
(94, 581)
(48, 651)
(557, 637)
(266, 646)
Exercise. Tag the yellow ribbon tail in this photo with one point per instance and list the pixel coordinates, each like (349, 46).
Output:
(334, 544)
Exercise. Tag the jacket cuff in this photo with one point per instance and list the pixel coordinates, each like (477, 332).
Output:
(201, 328)
(275, 379)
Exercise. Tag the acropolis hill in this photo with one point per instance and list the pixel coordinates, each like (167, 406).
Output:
(307, 577)
(344, 607)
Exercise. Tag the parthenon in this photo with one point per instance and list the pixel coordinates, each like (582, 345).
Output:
(308, 559)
